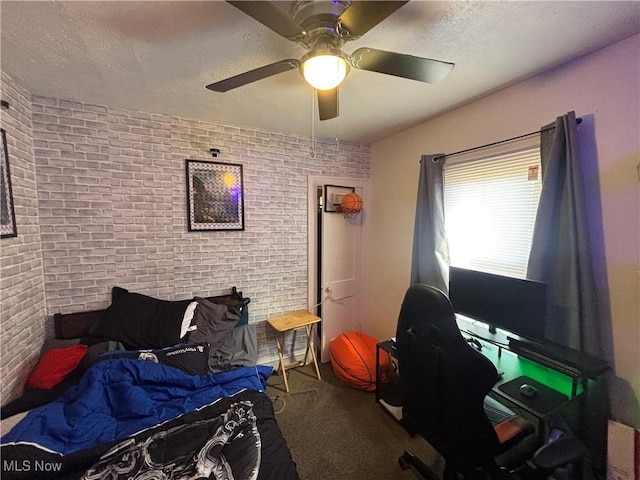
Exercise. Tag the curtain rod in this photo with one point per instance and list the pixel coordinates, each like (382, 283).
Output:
(435, 159)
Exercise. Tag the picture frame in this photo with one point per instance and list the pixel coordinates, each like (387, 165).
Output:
(215, 196)
(7, 212)
(332, 196)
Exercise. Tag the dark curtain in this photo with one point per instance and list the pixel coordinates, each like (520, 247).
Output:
(430, 260)
(560, 252)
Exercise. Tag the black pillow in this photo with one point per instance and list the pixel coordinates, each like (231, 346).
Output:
(140, 321)
(191, 358)
(166, 322)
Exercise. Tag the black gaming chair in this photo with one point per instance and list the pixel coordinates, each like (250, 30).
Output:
(444, 383)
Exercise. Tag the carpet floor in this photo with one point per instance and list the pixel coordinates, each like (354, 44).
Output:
(337, 432)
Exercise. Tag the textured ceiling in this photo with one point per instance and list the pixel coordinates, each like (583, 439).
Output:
(158, 56)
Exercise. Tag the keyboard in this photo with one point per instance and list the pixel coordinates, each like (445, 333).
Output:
(496, 411)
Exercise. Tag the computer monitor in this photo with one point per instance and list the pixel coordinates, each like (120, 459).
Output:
(512, 304)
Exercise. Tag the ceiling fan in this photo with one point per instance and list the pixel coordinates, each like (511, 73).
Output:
(323, 27)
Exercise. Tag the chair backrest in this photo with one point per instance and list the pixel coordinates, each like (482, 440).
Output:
(444, 381)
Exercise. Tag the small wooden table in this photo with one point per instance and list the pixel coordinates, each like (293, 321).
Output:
(291, 321)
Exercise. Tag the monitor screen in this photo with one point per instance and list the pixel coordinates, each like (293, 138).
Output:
(512, 304)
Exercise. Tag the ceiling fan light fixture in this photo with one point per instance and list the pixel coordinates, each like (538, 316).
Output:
(324, 71)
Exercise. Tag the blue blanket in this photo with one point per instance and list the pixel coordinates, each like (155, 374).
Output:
(117, 398)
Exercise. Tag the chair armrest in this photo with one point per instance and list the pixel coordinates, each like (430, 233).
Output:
(560, 452)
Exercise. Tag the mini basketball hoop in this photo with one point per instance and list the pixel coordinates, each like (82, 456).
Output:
(350, 205)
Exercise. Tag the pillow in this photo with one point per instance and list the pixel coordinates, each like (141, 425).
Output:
(124, 319)
(164, 328)
(239, 349)
(213, 323)
(237, 304)
(140, 321)
(190, 358)
(54, 366)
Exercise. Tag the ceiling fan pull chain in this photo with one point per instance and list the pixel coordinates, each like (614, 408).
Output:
(313, 123)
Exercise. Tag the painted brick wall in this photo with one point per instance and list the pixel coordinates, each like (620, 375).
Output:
(22, 296)
(112, 206)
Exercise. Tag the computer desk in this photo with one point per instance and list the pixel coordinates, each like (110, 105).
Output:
(566, 380)
(513, 366)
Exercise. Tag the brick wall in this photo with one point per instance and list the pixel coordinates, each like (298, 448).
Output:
(112, 206)
(22, 297)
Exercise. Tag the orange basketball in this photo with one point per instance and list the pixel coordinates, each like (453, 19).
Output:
(351, 202)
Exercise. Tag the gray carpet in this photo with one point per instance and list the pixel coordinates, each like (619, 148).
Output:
(337, 432)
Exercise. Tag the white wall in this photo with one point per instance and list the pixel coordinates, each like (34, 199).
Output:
(604, 89)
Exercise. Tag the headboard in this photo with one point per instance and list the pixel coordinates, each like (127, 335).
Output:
(79, 324)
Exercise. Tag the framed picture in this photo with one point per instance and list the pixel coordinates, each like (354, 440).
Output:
(8, 214)
(215, 197)
(333, 195)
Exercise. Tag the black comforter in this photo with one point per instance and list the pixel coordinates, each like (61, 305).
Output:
(235, 438)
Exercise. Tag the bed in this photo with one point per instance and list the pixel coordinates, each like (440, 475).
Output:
(148, 388)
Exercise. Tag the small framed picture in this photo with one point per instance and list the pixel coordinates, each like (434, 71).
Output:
(215, 196)
(7, 212)
(333, 196)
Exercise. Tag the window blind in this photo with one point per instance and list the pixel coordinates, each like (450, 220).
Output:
(490, 210)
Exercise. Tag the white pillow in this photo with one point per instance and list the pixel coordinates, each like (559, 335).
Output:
(186, 320)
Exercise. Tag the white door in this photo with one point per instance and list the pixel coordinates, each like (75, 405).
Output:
(338, 267)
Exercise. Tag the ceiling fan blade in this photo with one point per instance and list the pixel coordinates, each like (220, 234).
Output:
(253, 75)
(328, 103)
(401, 65)
(362, 16)
(272, 17)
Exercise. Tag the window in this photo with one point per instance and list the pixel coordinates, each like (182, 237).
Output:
(490, 210)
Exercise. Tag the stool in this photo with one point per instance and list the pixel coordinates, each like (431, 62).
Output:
(291, 321)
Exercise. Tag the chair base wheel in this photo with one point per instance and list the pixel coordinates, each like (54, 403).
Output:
(409, 461)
